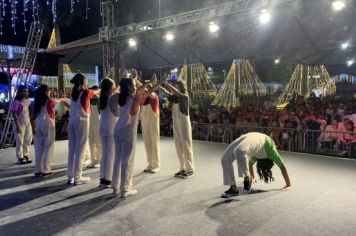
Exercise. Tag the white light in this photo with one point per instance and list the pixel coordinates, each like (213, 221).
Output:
(264, 17)
(213, 27)
(175, 70)
(277, 61)
(169, 36)
(132, 43)
(350, 62)
(338, 5)
(344, 46)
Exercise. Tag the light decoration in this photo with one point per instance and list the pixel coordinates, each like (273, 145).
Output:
(12, 11)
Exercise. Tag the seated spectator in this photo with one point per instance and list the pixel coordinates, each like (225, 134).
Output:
(348, 138)
(328, 138)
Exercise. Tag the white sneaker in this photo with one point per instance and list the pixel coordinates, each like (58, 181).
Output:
(93, 165)
(82, 180)
(128, 193)
(155, 170)
(70, 181)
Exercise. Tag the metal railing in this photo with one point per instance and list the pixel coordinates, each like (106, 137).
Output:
(311, 141)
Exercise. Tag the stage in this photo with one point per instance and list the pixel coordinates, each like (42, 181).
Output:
(322, 200)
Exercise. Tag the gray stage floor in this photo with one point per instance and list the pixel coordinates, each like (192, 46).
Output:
(321, 202)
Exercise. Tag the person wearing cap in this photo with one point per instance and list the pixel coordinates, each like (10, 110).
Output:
(247, 150)
(78, 128)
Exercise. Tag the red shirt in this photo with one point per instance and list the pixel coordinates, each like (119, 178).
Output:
(85, 99)
(50, 108)
(154, 102)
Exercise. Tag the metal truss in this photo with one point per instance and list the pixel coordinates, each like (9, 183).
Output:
(23, 75)
(108, 18)
(205, 14)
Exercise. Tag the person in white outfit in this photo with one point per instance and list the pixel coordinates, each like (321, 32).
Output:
(44, 131)
(248, 149)
(94, 134)
(22, 125)
(150, 129)
(125, 134)
(182, 128)
(107, 125)
(78, 128)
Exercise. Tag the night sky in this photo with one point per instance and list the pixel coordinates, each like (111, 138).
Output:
(74, 26)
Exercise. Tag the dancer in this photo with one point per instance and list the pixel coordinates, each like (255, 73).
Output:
(125, 134)
(150, 129)
(44, 131)
(94, 134)
(107, 125)
(22, 125)
(248, 149)
(78, 128)
(182, 129)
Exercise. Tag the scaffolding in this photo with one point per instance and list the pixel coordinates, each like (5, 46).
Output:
(305, 80)
(108, 22)
(241, 81)
(23, 75)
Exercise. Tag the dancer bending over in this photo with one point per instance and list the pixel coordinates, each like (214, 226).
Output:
(247, 150)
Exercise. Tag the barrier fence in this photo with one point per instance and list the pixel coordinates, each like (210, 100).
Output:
(311, 141)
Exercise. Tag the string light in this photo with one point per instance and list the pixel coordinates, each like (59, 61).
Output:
(35, 5)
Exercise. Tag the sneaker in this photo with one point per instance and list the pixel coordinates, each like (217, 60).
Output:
(187, 175)
(82, 180)
(27, 159)
(230, 193)
(154, 170)
(128, 193)
(147, 170)
(47, 174)
(21, 161)
(104, 183)
(93, 165)
(247, 185)
(37, 175)
(70, 181)
(179, 174)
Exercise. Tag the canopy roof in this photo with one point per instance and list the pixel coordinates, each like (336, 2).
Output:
(306, 32)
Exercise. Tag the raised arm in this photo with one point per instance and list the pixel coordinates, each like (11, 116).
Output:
(165, 91)
(174, 90)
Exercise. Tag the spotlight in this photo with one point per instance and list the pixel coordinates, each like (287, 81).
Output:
(132, 42)
(350, 62)
(277, 61)
(264, 17)
(169, 36)
(338, 5)
(213, 27)
(344, 46)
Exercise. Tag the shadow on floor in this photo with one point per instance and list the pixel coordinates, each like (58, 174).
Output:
(22, 170)
(28, 180)
(58, 220)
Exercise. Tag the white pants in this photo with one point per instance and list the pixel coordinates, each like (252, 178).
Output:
(124, 160)
(44, 149)
(95, 143)
(229, 156)
(23, 140)
(183, 141)
(107, 157)
(77, 141)
(150, 132)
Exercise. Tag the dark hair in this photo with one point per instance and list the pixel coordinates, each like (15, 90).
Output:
(105, 86)
(264, 167)
(182, 86)
(78, 81)
(41, 98)
(126, 86)
(19, 95)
